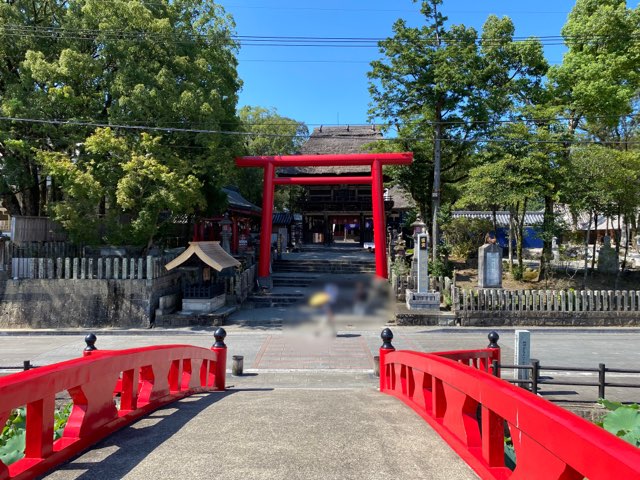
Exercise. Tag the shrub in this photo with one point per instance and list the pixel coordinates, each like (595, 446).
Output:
(466, 235)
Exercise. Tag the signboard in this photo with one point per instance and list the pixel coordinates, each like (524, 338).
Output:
(423, 243)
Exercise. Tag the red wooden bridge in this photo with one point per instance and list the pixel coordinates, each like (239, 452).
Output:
(454, 392)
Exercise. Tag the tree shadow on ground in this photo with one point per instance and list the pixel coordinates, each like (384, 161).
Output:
(135, 442)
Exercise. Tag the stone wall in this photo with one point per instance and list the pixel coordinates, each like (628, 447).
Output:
(35, 303)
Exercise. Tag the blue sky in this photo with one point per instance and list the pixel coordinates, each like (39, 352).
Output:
(321, 85)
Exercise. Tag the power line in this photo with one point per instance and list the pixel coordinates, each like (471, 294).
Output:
(273, 135)
(271, 41)
(391, 10)
(167, 127)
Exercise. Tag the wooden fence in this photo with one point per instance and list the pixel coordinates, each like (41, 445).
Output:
(545, 300)
(100, 268)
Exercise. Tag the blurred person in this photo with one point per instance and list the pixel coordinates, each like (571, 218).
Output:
(360, 299)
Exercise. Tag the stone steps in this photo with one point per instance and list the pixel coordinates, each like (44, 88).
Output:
(323, 266)
(271, 300)
(300, 281)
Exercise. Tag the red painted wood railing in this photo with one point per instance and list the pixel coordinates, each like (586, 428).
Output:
(145, 378)
(468, 407)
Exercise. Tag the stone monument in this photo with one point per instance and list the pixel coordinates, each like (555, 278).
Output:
(490, 266)
(607, 258)
(422, 298)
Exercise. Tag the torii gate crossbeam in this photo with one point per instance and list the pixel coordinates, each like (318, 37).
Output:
(374, 160)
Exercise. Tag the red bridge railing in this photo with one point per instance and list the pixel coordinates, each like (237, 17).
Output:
(455, 393)
(143, 378)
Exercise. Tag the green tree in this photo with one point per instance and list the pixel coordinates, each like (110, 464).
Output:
(270, 134)
(595, 87)
(607, 184)
(519, 166)
(167, 64)
(449, 85)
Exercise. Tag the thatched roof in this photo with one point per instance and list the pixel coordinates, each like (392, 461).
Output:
(401, 198)
(336, 140)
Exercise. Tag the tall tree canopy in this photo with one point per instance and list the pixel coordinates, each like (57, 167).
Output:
(90, 64)
(270, 134)
(448, 84)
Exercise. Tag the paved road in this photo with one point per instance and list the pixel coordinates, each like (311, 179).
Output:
(273, 351)
(263, 434)
(308, 406)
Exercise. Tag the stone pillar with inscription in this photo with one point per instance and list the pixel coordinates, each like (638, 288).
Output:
(490, 266)
(422, 298)
(422, 263)
(522, 353)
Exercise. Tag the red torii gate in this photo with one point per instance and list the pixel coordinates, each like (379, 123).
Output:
(375, 160)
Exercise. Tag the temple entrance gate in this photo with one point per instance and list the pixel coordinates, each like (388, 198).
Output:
(374, 160)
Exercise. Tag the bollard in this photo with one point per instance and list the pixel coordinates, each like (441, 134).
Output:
(601, 380)
(237, 365)
(387, 336)
(221, 358)
(90, 340)
(535, 374)
(376, 365)
(493, 343)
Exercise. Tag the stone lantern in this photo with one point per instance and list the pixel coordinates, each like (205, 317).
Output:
(418, 227)
(225, 232)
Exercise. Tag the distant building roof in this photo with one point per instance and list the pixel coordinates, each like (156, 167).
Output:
(282, 218)
(401, 198)
(210, 253)
(502, 218)
(238, 202)
(336, 140)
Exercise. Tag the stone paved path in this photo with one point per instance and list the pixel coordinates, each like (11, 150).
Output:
(265, 434)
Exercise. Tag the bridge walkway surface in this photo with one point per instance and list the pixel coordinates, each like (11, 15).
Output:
(305, 426)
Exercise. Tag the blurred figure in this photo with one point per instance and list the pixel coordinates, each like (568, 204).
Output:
(331, 289)
(360, 300)
(326, 300)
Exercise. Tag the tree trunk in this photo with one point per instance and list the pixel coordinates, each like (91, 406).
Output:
(547, 228)
(595, 241)
(618, 235)
(510, 237)
(495, 220)
(10, 202)
(42, 204)
(520, 239)
(586, 251)
(435, 203)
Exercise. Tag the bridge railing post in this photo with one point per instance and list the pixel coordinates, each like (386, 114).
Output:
(493, 345)
(221, 358)
(90, 340)
(387, 336)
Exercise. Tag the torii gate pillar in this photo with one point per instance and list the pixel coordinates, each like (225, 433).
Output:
(374, 160)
